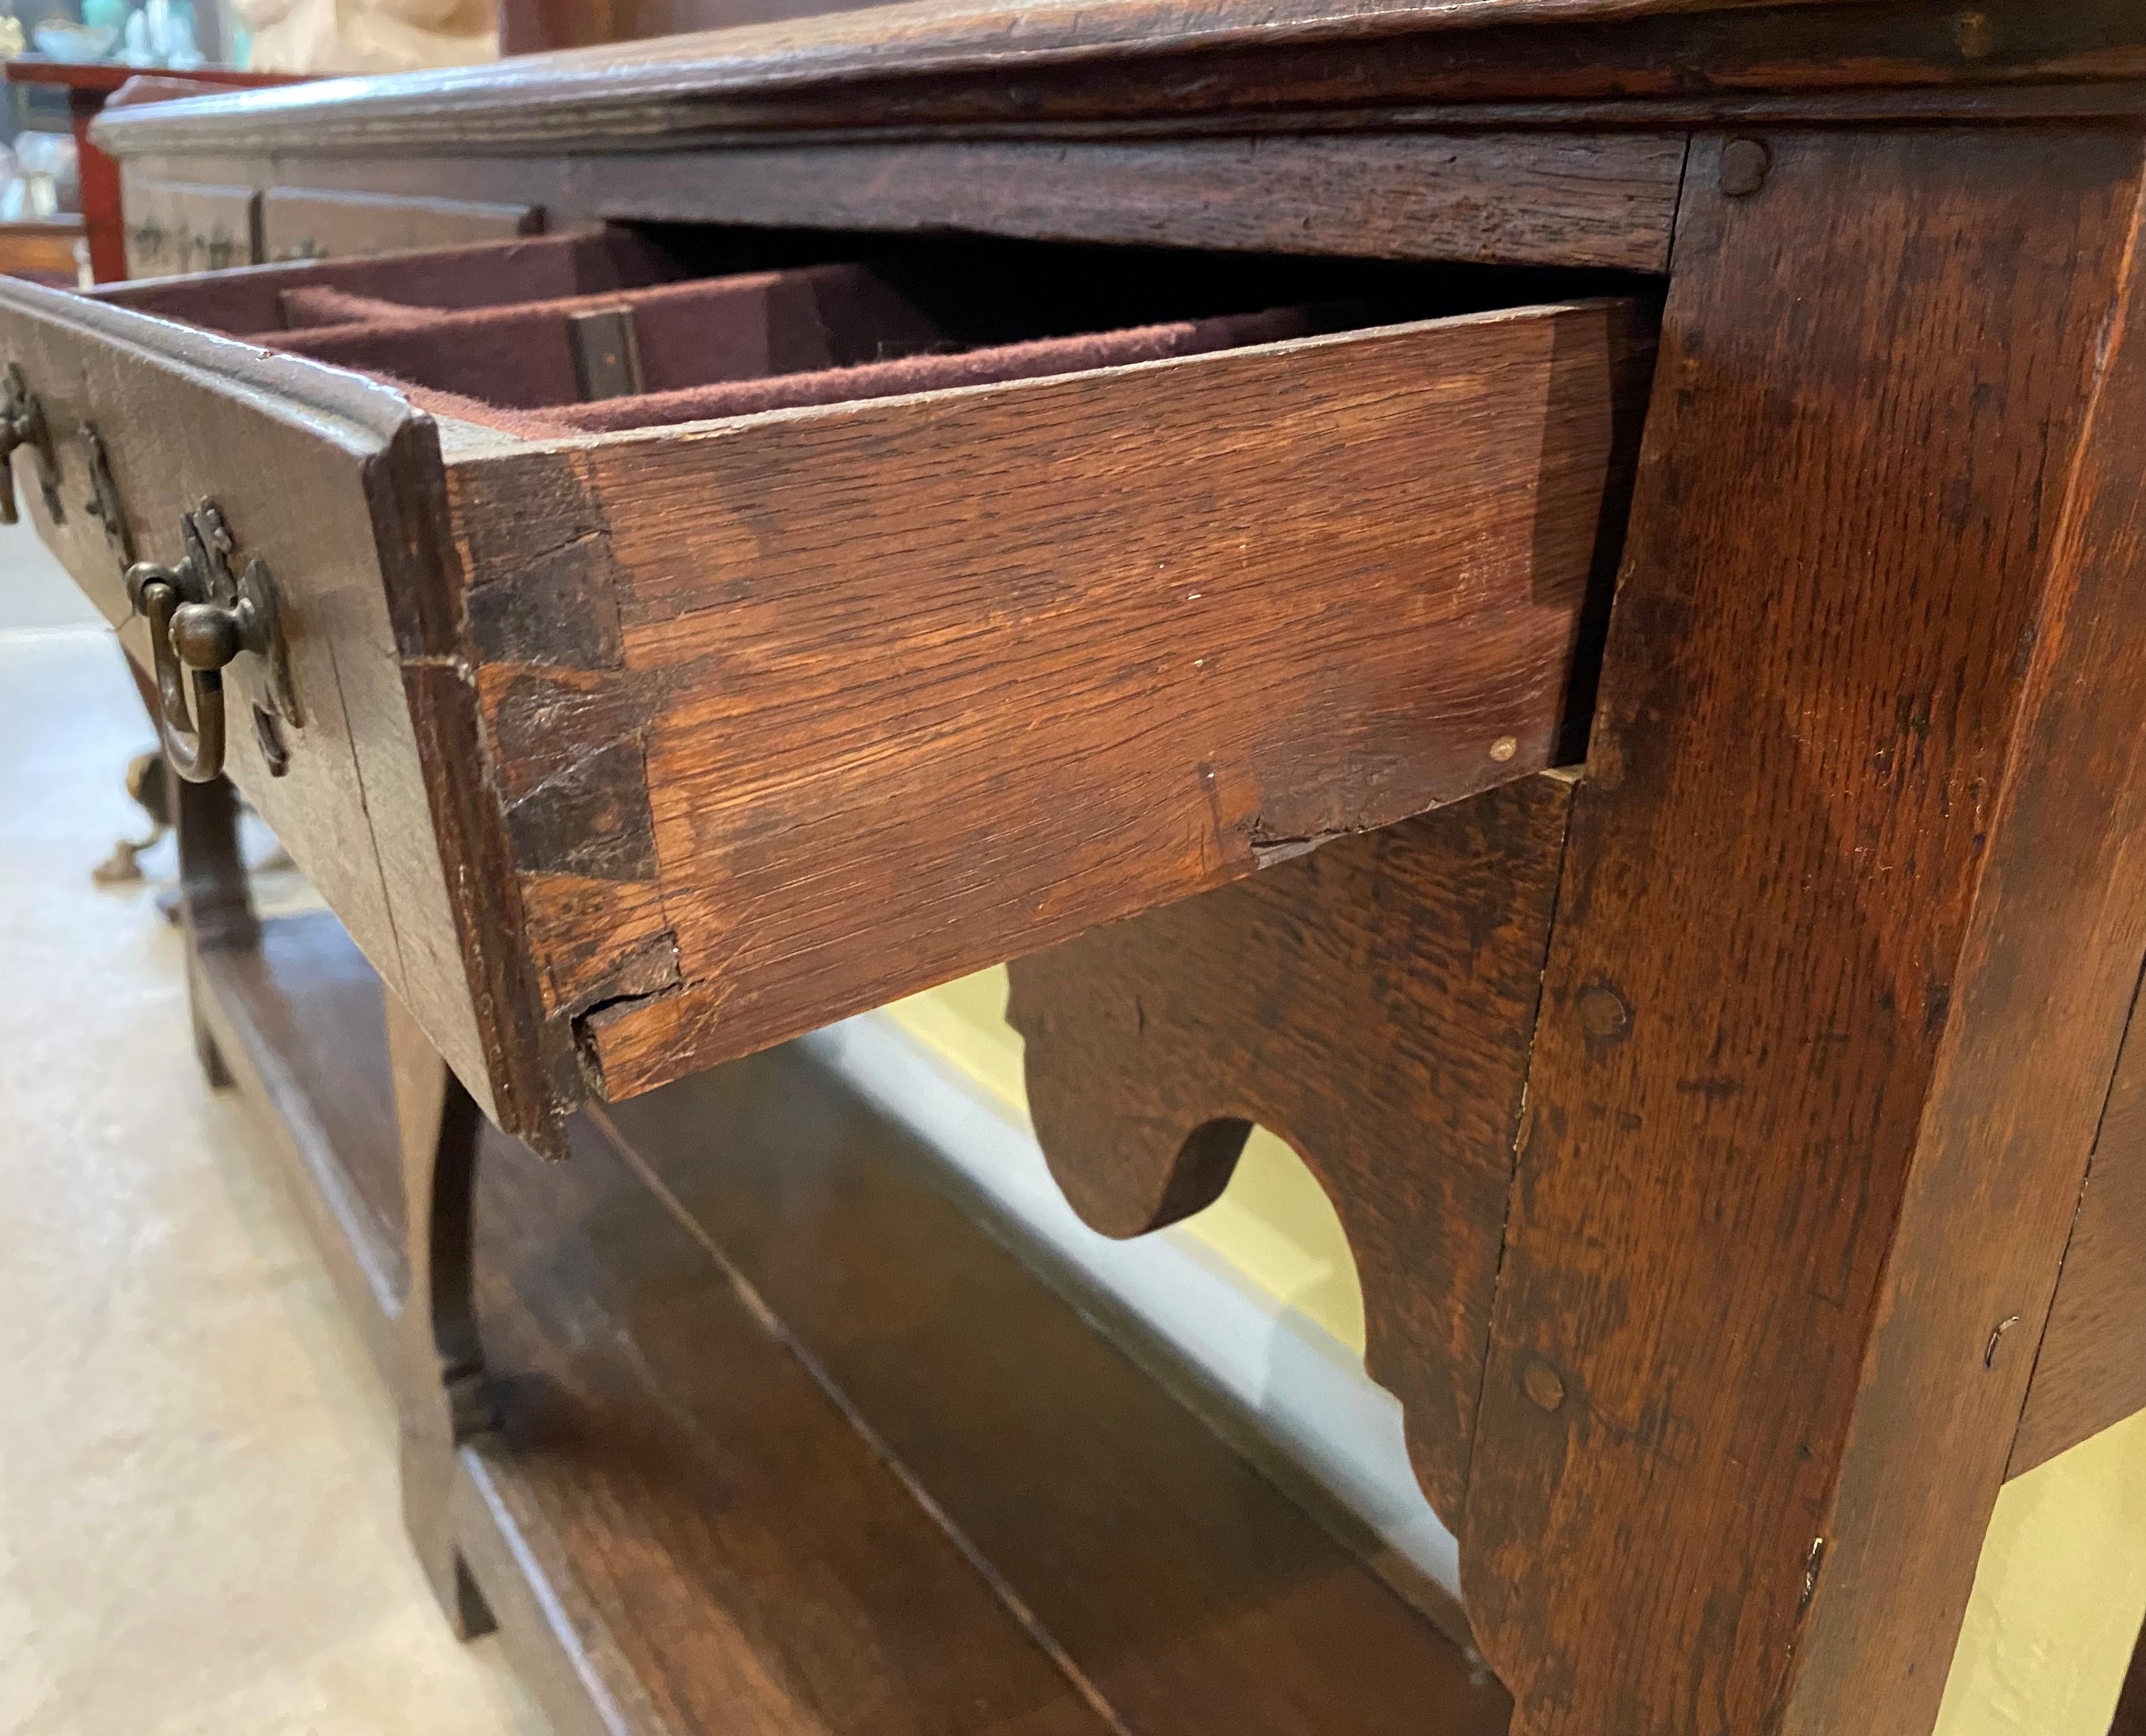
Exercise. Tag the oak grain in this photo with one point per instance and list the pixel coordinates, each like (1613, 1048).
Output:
(929, 65)
(1176, 1580)
(1850, 922)
(1560, 198)
(978, 671)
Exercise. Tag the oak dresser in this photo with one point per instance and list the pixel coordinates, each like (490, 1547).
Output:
(1539, 596)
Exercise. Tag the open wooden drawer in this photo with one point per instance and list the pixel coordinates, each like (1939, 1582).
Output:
(680, 656)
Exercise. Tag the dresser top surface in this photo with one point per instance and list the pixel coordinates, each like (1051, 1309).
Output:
(1131, 66)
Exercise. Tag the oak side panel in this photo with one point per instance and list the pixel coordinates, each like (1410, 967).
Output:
(2091, 1369)
(1851, 923)
(873, 696)
(1372, 1003)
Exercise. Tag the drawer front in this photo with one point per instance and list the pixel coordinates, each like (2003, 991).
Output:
(307, 468)
(626, 754)
(178, 227)
(298, 223)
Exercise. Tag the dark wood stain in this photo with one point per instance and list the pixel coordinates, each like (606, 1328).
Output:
(1175, 1580)
(1567, 198)
(879, 668)
(626, 755)
(738, 1421)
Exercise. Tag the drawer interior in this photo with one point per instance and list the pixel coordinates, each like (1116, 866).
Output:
(618, 331)
(711, 348)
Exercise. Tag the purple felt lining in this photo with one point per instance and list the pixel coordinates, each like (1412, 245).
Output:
(687, 335)
(708, 349)
(322, 304)
(994, 366)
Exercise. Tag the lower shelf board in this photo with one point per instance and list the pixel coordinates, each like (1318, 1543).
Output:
(299, 1021)
(789, 1443)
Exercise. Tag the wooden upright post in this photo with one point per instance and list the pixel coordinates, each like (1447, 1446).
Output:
(1854, 904)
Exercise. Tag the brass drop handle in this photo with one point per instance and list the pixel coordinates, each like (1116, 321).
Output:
(200, 638)
(201, 620)
(23, 424)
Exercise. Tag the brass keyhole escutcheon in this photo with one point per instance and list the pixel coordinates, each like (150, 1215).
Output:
(202, 619)
(104, 504)
(23, 424)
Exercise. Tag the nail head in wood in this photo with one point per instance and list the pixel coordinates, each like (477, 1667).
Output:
(1603, 1013)
(1542, 1386)
(1744, 162)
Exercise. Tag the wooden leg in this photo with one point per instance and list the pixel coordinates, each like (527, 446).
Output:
(1850, 921)
(214, 1069)
(215, 902)
(439, 1388)
(441, 1393)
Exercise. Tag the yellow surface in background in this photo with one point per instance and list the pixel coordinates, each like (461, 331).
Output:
(1274, 1222)
(2061, 1589)
(2058, 1596)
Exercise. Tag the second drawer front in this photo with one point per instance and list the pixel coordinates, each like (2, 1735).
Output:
(302, 223)
(176, 226)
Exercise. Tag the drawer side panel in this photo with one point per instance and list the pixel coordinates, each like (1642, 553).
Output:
(838, 704)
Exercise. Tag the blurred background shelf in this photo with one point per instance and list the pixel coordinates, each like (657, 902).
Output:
(87, 86)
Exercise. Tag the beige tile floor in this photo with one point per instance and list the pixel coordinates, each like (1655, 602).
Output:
(198, 1524)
